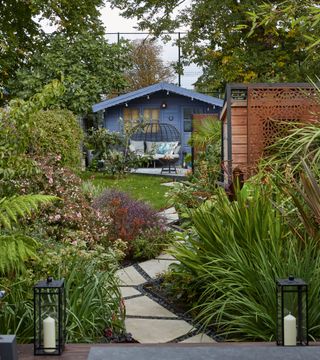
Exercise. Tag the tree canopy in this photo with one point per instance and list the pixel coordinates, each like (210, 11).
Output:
(87, 65)
(220, 37)
(21, 33)
(148, 67)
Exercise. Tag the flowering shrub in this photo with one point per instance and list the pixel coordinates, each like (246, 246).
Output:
(72, 219)
(129, 219)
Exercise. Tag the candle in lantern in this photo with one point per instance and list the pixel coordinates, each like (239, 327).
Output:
(290, 330)
(49, 334)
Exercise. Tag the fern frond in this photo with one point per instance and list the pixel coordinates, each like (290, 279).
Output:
(20, 206)
(15, 250)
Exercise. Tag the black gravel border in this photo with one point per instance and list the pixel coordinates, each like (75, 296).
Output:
(142, 272)
(161, 301)
(142, 288)
(132, 296)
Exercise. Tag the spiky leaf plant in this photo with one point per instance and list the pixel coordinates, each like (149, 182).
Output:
(305, 194)
(238, 250)
(302, 140)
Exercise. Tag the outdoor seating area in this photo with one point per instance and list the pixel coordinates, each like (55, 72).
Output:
(158, 142)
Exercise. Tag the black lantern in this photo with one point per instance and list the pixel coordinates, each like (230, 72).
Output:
(292, 312)
(49, 317)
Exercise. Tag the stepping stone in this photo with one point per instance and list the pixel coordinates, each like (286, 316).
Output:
(199, 339)
(169, 184)
(170, 210)
(128, 291)
(170, 215)
(144, 306)
(165, 257)
(148, 331)
(172, 218)
(130, 276)
(155, 267)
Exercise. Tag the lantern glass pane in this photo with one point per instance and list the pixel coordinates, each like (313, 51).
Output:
(292, 300)
(49, 319)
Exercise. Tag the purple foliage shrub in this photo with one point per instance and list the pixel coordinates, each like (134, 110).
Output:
(129, 218)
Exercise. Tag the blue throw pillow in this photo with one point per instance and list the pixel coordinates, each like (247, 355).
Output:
(163, 148)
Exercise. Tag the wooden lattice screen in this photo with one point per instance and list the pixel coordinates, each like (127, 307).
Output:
(269, 111)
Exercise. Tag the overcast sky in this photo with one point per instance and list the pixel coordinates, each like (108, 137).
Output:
(116, 23)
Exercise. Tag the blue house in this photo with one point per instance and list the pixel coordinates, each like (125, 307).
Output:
(159, 103)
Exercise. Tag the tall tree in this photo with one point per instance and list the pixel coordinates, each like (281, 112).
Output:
(87, 65)
(21, 33)
(148, 67)
(220, 39)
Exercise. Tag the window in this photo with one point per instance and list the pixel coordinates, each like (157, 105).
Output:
(131, 116)
(187, 117)
(151, 115)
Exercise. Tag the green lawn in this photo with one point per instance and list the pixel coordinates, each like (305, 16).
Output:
(140, 187)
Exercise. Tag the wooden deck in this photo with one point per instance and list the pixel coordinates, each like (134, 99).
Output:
(72, 351)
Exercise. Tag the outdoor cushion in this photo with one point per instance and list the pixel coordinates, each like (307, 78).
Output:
(151, 146)
(137, 152)
(173, 144)
(176, 149)
(163, 148)
(137, 146)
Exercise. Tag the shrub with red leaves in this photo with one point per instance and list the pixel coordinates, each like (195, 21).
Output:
(129, 218)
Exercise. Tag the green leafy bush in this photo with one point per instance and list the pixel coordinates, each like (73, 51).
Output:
(150, 243)
(15, 127)
(111, 150)
(64, 240)
(56, 132)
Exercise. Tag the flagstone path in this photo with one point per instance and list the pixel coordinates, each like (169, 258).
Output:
(146, 319)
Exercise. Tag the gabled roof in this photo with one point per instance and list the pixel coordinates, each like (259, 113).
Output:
(155, 88)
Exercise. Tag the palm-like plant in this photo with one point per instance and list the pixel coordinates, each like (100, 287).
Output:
(15, 246)
(208, 133)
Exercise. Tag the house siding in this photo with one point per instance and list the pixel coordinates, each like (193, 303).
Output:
(172, 114)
